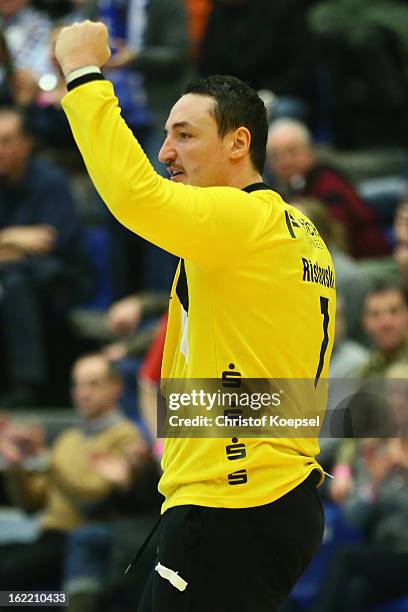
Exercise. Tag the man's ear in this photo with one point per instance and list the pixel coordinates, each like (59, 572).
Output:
(240, 143)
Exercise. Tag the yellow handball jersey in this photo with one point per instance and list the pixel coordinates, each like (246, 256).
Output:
(254, 291)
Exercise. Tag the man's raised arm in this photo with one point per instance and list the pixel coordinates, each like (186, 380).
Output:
(203, 225)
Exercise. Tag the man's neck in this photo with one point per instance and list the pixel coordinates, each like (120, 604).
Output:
(245, 181)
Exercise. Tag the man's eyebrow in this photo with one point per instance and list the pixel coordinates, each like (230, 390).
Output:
(178, 125)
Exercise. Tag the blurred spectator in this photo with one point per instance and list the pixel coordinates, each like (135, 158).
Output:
(362, 575)
(42, 268)
(27, 34)
(62, 480)
(385, 319)
(294, 165)
(266, 44)
(43, 106)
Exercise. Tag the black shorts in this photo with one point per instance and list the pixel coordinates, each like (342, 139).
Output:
(236, 560)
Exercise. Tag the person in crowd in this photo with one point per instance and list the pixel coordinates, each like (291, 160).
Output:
(362, 575)
(62, 480)
(43, 271)
(293, 162)
(385, 319)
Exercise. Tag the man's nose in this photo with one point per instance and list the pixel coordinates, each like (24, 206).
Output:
(167, 153)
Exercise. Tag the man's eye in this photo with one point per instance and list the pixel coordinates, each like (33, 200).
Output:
(184, 135)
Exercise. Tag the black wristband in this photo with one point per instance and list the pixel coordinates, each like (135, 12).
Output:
(86, 78)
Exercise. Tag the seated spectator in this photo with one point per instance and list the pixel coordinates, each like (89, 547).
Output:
(294, 165)
(42, 267)
(385, 319)
(362, 575)
(62, 480)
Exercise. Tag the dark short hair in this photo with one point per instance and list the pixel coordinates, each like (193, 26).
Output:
(237, 105)
(386, 285)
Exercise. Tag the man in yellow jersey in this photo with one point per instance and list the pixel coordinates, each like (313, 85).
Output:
(253, 298)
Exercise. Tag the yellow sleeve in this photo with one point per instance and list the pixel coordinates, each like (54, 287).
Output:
(206, 225)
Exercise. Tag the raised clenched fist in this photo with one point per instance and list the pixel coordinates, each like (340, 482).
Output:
(82, 44)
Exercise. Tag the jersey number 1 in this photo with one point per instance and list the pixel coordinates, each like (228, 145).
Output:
(324, 309)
